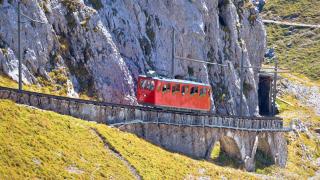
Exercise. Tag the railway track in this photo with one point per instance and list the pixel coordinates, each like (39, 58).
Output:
(129, 114)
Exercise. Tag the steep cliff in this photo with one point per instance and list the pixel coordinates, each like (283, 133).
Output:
(101, 46)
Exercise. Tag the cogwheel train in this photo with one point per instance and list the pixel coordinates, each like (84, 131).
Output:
(173, 93)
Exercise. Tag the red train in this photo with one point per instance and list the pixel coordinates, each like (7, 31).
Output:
(173, 93)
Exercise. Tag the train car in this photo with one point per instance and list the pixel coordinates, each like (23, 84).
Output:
(173, 93)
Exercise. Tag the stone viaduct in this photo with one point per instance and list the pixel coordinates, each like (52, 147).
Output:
(191, 134)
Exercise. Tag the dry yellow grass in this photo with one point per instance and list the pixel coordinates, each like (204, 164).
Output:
(38, 144)
(42, 144)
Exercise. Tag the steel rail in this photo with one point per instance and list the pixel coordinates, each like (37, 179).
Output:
(139, 107)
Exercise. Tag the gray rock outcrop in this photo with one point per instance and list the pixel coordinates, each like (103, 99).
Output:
(103, 45)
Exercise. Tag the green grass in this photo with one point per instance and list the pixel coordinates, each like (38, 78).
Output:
(299, 51)
(296, 48)
(37, 144)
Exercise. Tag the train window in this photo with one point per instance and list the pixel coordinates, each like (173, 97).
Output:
(185, 90)
(150, 85)
(176, 88)
(143, 84)
(203, 91)
(147, 84)
(194, 90)
(166, 87)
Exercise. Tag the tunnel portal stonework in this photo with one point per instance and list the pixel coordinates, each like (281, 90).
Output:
(194, 135)
(198, 142)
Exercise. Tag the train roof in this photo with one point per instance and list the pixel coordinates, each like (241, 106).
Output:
(175, 80)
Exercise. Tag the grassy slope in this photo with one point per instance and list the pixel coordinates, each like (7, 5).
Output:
(307, 10)
(42, 144)
(299, 145)
(38, 144)
(298, 51)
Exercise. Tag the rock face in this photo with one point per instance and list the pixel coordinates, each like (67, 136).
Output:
(103, 45)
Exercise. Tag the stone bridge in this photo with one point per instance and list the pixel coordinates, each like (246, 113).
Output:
(198, 142)
(192, 134)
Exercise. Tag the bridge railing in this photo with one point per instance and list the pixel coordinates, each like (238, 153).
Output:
(239, 123)
(114, 114)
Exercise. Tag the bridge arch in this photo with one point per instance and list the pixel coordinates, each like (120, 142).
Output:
(230, 147)
(264, 156)
(225, 152)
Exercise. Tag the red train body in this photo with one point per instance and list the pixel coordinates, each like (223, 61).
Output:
(173, 93)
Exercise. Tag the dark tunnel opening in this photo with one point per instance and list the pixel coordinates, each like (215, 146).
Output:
(264, 94)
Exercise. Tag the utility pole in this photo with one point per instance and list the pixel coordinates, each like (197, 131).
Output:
(19, 46)
(173, 52)
(241, 84)
(275, 86)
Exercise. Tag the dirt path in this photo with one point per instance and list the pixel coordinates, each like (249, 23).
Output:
(114, 152)
(291, 23)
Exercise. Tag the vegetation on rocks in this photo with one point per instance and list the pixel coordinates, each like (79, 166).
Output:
(58, 85)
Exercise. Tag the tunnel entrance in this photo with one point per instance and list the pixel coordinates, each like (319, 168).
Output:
(265, 94)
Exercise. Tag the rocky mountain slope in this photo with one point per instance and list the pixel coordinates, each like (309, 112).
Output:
(101, 46)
